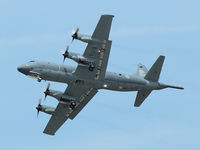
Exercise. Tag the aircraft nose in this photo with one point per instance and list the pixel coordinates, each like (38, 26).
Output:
(23, 69)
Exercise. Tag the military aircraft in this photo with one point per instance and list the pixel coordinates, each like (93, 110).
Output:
(90, 76)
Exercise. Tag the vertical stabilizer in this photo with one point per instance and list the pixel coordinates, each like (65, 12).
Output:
(154, 73)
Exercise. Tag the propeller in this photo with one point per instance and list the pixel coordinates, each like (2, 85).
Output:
(39, 106)
(46, 91)
(65, 53)
(75, 34)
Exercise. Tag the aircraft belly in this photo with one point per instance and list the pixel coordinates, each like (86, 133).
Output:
(57, 76)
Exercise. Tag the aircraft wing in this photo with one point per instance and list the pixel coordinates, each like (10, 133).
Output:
(57, 119)
(98, 50)
(102, 29)
(84, 95)
(63, 111)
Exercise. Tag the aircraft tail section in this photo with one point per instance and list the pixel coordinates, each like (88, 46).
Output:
(171, 86)
(141, 96)
(154, 73)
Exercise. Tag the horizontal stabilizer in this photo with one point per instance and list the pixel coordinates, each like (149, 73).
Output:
(141, 96)
(154, 73)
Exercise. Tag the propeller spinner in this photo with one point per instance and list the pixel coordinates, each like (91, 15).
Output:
(75, 34)
(65, 53)
(39, 106)
(46, 91)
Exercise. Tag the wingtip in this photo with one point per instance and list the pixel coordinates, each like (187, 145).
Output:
(52, 134)
(108, 15)
(162, 56)
(135, 105)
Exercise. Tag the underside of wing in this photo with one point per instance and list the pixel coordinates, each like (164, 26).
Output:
(57, 119)
(63, 111)
(102, 29)
(83, 94)
(100, 54)
(84, 99)
(97, 50)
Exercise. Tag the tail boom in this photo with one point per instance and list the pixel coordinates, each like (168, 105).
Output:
(170, 86)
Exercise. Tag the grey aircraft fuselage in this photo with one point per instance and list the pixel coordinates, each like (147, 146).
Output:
(64, 74)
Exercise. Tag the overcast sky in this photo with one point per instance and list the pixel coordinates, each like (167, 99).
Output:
(141, 31)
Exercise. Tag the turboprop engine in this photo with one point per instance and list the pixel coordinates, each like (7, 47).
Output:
(83, 37)
(46, 109)
(60, 96)
(80, 59)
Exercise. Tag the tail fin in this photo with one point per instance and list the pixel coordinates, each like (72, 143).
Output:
(141, 70)
(154, 73)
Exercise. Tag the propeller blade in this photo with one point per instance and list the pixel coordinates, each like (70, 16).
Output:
(38, 112)
(46, 91)
(45, 96)
(73, 31)
(64, 59)
(77, 30)
(38, 106)
(48, 86)
(75, 34)
(65, 53)
(67, 48)
(39, 102)
(72, 39)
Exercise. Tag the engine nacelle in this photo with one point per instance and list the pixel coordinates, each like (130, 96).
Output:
(80, 59)
(85, 38)
(60, 96)
(46, 109)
